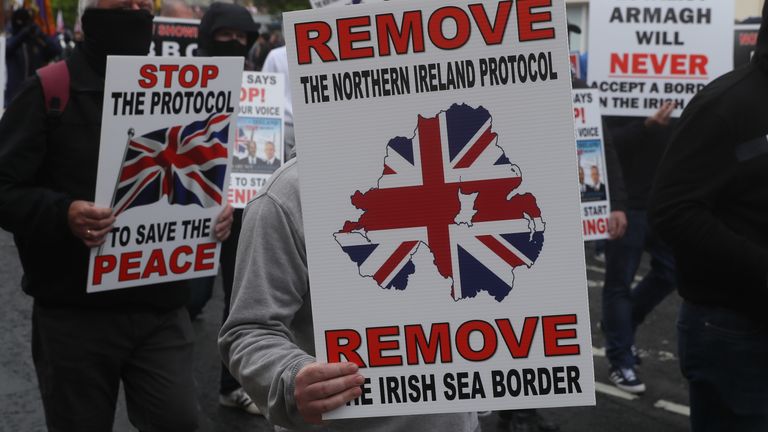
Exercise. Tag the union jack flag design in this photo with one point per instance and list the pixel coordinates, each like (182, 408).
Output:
(422, 199)
(186, 164)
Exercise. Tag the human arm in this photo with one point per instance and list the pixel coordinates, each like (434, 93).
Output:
(692, 179)
(26, 207)
(270, 294)
(617, 220)
(223, 227)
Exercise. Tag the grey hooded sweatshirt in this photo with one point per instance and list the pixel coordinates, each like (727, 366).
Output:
(268, 336)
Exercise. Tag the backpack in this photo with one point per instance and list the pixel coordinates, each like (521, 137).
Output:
(54, 79)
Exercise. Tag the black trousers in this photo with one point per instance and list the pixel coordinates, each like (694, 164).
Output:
(81, 355)
(228, 383)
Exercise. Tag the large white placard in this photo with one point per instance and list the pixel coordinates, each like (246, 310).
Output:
(164, 158)
(258, 149)
(593, 173)
(441, 217)
(644, 52)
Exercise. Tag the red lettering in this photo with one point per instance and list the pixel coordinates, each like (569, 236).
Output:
(376, 346)
(518, 348)
(619, 63)
(416, 342)
(553, 335)
(347, 37)
(177, 268)
(336, 349)
(411, 31)
(489, 340)
(319, 42)
(526, 18)
(103, 264)
(492, 35)
(659, 64)
(699, 64)
(435, 26)
(185, 72)
(147, 72)
(210, 72)
(168, 70)
(204, 256)
(639, 66)
(129, 261)
(155, 264)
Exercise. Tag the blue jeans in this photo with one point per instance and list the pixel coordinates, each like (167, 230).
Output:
(724, 357)
(624, 308)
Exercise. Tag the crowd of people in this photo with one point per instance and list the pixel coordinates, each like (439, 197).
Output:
(689, 192)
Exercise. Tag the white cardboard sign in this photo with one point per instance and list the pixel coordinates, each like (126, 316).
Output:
(164, 158)
(593, 173)
(258, 149)
(437, 186)
(644, 52)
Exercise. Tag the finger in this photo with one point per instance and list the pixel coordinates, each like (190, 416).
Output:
(316, 372)
(221, 236)
(99, 233)
(93, 212)
(328, 388)
(331, 403)
(98, 224)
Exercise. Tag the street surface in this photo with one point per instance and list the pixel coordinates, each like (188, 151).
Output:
(663, 408)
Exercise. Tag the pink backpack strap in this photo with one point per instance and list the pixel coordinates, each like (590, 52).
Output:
(55, 81)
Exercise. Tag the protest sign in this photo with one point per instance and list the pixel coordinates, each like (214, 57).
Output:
(575, 58)
(436, 168)
(593, 175)
(744, 44)
(164, 162)
(174, 37)
(259, 144)
(645, 52)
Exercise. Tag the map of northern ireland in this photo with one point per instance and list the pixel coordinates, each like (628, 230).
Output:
(452, 190)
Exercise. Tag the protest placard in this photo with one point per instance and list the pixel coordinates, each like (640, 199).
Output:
(174, 37)
(593, 175)
(436, 162)
(164, 158)
(258, 149)
(645, 52)
(744, 43)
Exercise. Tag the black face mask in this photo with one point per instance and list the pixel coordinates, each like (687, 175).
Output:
(230, 48)
(115, 32)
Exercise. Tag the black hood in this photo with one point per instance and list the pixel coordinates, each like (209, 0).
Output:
(761, 53)
(224, 15)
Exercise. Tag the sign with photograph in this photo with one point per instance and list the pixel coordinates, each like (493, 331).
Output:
(593, 176)
(259, 144)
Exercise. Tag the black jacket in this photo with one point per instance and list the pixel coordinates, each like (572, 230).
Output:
(710, 200)
(45, 164)
(639, 150)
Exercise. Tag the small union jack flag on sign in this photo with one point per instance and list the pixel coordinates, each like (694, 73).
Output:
(187, 164)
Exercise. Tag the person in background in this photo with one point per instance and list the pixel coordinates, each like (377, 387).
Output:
(27, 50)
(710, 203)
(228, 30)
(640, 144)
(177, 9)
(84, 345)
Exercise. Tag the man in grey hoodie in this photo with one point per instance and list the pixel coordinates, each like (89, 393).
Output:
(267, 341)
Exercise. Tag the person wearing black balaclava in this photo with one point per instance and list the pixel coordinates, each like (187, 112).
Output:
(27, 49)
(84, 345)
(227, 30)
(710, 203)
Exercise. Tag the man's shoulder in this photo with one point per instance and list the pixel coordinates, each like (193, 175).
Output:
(283, 187)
